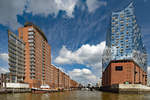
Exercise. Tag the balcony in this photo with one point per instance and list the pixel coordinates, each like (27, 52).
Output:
(31, 41)
(31, 37)
(32, 69)
(30, 29)
(32, 48)
(12, 68)
(32, 60)
(12, 56)
(11, 51)
(32, 56)
(13, 73)
(12, 64)
(12, 60)
(21, 62)
(31, 33)
(32, 75)
(21, 71)
(32, 64)
(32, 44)
(12, 43)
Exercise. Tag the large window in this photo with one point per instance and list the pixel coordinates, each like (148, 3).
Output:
(119, 68)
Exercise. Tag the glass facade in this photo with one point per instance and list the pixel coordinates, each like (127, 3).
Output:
(16, 57)
(124, 40)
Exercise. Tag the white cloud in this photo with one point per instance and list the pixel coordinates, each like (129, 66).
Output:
(94, 4)
(47, 7)
(83, 76)
(88, 55)
(3, 70)
(4, 57)
(9, 10)
(148, 72)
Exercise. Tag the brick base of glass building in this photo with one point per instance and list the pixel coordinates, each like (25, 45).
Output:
(123, 72)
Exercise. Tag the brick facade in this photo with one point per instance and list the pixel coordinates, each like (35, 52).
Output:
(123, 72)
(37, 56)
(38, 68)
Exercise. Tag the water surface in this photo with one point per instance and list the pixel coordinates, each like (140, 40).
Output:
(75, 95)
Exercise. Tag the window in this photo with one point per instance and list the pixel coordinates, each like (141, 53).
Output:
(121, 15)
(122, 35)
(117, 33)
(122, 30)
(121, 38)
(113, 22)
(113, 18)
(113, 31)
(127, 18)
(21, 35)
(127, 32)
(119, 68)
(121, 22)
(134, 21)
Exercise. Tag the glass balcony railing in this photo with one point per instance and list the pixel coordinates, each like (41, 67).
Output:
(30, 29)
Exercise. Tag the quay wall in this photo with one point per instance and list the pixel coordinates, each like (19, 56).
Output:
(126, 88)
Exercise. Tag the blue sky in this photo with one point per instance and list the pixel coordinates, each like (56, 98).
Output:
(75, 29)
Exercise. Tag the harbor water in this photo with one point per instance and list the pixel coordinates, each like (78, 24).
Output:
(75, 95)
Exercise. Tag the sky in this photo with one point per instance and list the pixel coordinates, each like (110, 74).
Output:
(75, 29)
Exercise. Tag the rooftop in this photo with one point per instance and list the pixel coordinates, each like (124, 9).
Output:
(37, 28)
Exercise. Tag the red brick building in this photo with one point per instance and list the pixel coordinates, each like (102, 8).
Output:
(73, 84)
(37, 60)
(61, 80)
(37, 55)
(54, 77)
(123, 72)
(66, 81)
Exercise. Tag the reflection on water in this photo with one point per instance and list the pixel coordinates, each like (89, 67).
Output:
(75, 95)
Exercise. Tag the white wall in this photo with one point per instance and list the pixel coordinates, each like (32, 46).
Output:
(16, 85)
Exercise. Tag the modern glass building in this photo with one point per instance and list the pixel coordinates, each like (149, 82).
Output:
(16, 58)
(124, 40)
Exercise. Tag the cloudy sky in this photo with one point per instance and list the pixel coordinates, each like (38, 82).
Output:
(75, 29)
